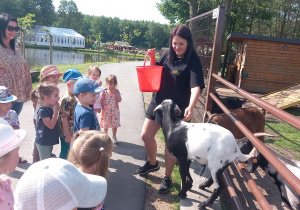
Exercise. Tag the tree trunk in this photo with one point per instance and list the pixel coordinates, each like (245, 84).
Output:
(193, 7)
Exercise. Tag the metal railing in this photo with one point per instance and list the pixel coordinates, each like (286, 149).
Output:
(277, 164)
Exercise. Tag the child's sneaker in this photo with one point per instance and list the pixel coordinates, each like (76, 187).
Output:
(115, 140)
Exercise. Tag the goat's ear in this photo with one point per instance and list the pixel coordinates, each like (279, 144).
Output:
(159, 107)
(177, 111)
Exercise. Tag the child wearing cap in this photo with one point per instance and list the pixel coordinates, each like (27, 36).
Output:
(85, 90)
(94, 73)
(7, 114)
(50, 74)
(66, 112)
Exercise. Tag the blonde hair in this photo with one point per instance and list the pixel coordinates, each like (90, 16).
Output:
(111, 78)
(94, 68)
(45, 89)
(91, 149)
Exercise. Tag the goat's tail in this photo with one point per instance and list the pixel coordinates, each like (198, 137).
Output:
(243, 158)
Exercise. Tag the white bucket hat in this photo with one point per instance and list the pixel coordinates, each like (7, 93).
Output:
(10, 138)
(55, 183)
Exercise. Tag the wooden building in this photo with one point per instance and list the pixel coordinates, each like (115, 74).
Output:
(266, 64)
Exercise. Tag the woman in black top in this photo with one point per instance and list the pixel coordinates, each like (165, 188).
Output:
(182, 79)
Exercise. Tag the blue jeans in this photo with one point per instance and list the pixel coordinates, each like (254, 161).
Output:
(17, 106)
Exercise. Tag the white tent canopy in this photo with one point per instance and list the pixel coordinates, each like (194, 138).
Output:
(62, 37)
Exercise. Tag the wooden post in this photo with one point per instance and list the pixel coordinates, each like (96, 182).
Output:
(216, 55)
(50, 47)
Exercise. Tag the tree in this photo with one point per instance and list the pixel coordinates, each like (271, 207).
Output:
(10, 7)
(25, 23)
(157, 36)
(174, 10)
(68, 16)
(46, 15)
(128, 36)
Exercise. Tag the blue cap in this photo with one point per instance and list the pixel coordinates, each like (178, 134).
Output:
(72, 74)
(87, 85)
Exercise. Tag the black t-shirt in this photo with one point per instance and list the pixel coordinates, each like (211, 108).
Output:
(176, 83)
(44, 135)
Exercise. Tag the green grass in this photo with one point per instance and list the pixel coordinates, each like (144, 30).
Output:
(287, 137)
(63, 68)
(176, 179)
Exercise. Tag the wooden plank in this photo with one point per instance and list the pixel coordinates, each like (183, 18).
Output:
(284, 98)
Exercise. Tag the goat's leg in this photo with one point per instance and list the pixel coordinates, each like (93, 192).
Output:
(189, 181)
(184, 174)
(218, 187)
(206, 184)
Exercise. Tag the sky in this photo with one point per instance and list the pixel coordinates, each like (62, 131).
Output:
(123, 9)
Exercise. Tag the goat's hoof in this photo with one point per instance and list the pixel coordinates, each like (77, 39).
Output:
(189, 185)
(202, 206)
(202, 186)
(182, 194)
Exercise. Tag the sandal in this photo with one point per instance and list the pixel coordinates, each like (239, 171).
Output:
(22, 160)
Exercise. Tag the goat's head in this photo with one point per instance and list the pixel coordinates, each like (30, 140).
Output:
(168, 104)
(253, 163)
(246, 147)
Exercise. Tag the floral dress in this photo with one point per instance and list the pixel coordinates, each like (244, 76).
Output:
(110, 115)
(12, 118)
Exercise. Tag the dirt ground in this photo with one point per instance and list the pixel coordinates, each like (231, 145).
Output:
(154, 200)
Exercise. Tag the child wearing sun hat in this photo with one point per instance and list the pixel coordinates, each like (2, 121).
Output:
(9, 157)
(5, 104)
(66, 112)
(6, 113)
(56, 183)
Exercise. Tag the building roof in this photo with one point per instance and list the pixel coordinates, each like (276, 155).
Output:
(123, 44)
(238, 37)
(109, 43)
(57, 31)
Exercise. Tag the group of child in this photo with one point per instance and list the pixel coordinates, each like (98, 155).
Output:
(74, 120)
(78, 109)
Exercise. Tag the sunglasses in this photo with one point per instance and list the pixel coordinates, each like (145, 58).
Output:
(11, 28)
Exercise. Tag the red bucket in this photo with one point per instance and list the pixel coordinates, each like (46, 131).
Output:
(149, 77)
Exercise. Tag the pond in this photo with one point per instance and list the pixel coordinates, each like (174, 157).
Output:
(41, 57)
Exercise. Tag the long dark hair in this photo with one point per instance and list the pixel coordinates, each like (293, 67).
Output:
(4, 19)
(184, 32)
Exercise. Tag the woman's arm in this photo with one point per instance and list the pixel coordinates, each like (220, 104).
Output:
(188, 112)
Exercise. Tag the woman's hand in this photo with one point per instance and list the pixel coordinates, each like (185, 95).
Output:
(151, 53)
(2, 72)
(188, 114)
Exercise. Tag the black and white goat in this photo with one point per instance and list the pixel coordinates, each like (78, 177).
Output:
(206, 143)
(288, 195)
